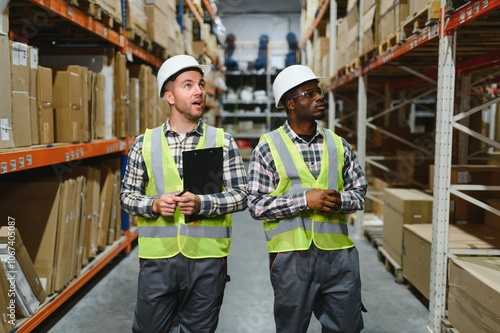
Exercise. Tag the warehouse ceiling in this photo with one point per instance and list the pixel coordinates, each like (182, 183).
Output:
(237, 7)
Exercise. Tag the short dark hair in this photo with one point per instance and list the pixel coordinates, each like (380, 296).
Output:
(175, 75)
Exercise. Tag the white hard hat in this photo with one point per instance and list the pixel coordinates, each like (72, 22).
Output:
(291, 77)
(175, 64)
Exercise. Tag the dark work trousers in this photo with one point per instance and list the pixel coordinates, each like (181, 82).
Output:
(327, 283)
(179, 294)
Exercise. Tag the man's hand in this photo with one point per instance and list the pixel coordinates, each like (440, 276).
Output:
(188, 203)
(164, 205)
(324, 200)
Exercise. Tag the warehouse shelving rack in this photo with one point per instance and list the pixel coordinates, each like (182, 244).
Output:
(94, 32)
(441, 41)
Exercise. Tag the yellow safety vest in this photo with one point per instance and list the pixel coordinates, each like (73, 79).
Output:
(327, 230)
(164, 237)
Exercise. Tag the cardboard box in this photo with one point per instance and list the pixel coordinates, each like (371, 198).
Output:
(83, 72)
(68, 106)
(370, 38)
(121, 95)
(19, 67)
(25, 300)
(40, 237)
(63, 245)
(135, 99)
(4, 22)
(491, 219)
(21, 119)
(474, 294)
(137, 19)
(7, 318)
(6, 134)
(9, 235)
(417, 248)
(159, 34)
(113, 8)
(33, 73)
(403, 206)
(462, 211)
(100, 108)
(470, 174)
(45, 107)
(106, 208)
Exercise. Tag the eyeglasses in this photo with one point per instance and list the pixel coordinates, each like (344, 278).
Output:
(310, 93)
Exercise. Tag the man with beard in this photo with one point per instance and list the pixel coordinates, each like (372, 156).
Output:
(303, 180)
(183, 268)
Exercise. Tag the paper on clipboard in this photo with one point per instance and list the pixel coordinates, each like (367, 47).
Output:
(202, 172)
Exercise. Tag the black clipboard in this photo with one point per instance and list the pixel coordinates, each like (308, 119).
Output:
(202, 173)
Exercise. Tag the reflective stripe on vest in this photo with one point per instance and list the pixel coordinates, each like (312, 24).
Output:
(329, 231)
(171, 231)
(164, 237)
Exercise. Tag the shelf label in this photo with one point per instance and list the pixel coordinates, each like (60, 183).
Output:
(82, 152)
(66, 156)
(29, 160)
(13, 165)
(77, 153)
(3, 167)
(72, 155)
(21, 162)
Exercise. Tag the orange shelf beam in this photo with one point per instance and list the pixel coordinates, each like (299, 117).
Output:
(72, 14)
(195, 11)
(29, 158)
(414, 41)
(314, 25)
(471, 12)
(144, 55)
(90, 271)
(209, 9)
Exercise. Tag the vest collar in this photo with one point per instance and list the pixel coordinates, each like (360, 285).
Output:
(198, 130)
(295, 137)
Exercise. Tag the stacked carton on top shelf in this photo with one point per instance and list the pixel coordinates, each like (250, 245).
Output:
(21, 117)
(371, 22)
(6, 135)
(162, 23)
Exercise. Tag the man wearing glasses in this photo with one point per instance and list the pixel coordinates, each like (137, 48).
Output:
(303, 180)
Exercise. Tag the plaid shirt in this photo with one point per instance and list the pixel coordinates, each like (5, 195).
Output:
(232, 199)
(264, 178)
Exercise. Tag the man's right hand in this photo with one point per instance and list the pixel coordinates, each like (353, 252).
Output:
(323, 200)
(164, 205)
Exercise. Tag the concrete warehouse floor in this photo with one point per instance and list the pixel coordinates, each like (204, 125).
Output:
(107, 303)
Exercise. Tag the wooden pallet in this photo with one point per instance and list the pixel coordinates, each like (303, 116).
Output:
(447, 327)
(414, 23)
(389, 41)
(370, 55)
(374, 235)
(100, 14)
(391, 265)
(140, 39)
(353, 65)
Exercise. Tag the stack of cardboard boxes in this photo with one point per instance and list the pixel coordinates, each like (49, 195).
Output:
(76, 218)
(407, 238)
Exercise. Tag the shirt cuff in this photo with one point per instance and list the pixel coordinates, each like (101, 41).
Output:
(206, 206)
(301, 201)
(148, 209)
